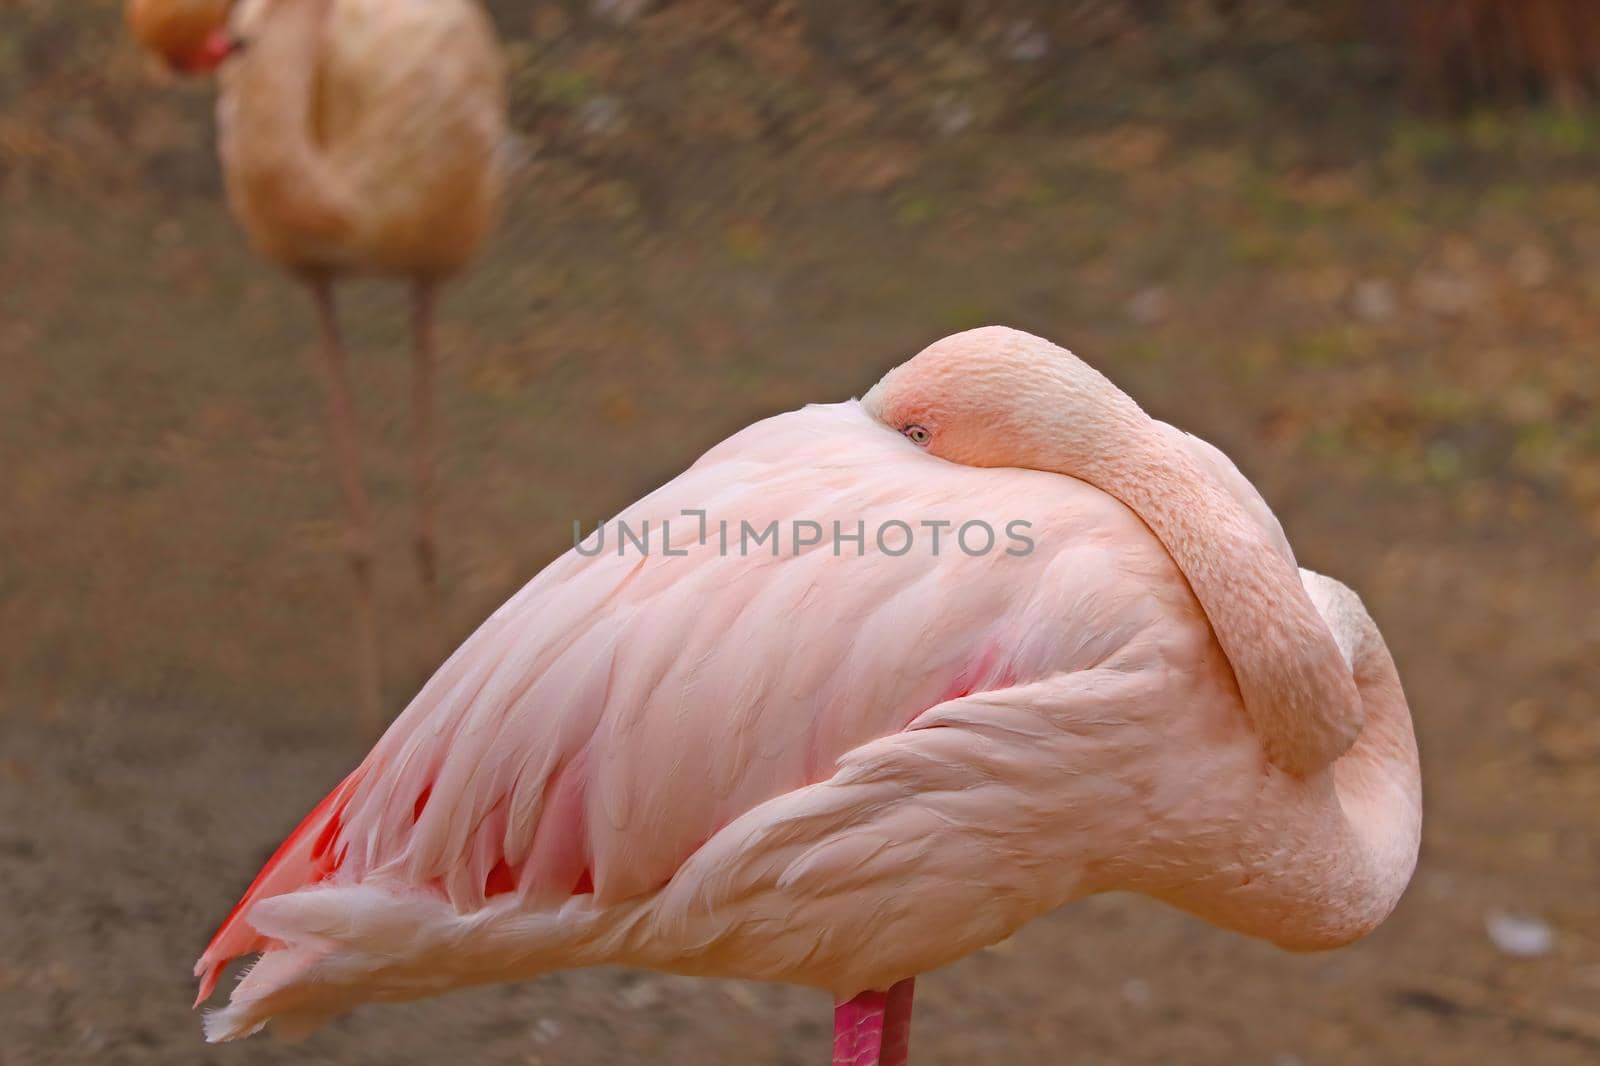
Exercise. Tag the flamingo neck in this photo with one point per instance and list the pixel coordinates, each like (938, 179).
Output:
(1379, 781)
(1293, 682)
(1350, 866)
(276, 163)
(274, 86)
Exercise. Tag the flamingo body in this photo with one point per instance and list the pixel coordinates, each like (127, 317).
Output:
(825, 767)
(356, 136)
(393, 166)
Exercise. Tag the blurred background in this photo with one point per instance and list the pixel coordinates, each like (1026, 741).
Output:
(1356, 245)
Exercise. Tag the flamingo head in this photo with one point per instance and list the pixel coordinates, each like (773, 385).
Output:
(190, 35)
(1001, 397)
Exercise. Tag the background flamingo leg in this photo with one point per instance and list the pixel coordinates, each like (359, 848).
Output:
(343, 435)
(874, 1028)
(423, 387)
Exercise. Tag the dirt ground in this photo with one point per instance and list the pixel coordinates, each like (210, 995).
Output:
(727, 210)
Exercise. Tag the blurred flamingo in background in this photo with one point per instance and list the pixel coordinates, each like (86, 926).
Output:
(842, 764)
(357, 137)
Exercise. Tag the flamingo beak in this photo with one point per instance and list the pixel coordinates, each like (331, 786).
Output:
(217, 47)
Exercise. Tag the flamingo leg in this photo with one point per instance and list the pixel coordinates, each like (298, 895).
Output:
(344, 440)
(874, 1028)
(423, 387)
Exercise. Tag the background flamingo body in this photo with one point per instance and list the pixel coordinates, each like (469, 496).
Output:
(362, 135)
(357, 137)
(824, 769)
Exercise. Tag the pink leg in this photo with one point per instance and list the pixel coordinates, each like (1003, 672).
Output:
(424, 540)
(874, 1029)
(345, 441)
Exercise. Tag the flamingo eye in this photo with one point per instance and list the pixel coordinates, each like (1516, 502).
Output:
(917, 435)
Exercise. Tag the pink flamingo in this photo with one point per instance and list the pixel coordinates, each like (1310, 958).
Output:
(357, 137)
(843, 761)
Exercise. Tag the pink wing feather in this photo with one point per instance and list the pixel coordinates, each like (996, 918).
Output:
(305, 858)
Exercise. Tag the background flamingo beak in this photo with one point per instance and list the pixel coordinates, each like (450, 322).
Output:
(217, 47)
